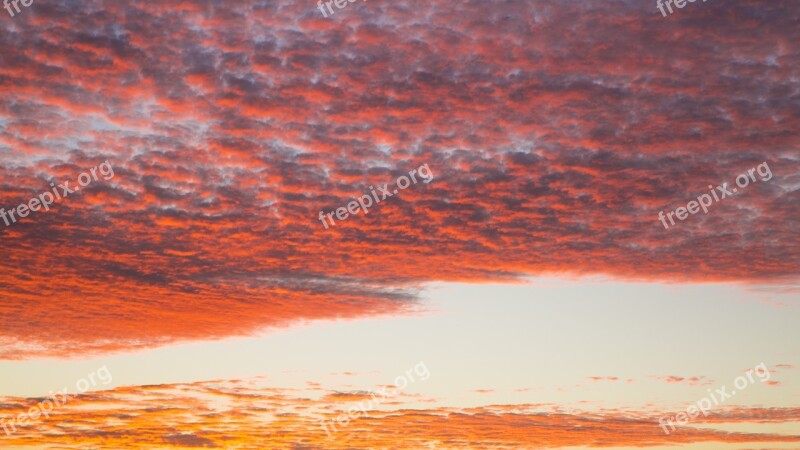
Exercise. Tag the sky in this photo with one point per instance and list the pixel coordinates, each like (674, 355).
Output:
(536, 282)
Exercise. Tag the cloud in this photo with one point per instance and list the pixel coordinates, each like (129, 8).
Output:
(693, 381)
(483, 391)
(614, 379)
(556, 131)
(226, 414)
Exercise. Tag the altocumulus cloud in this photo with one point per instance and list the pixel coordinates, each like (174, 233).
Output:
(556, 129)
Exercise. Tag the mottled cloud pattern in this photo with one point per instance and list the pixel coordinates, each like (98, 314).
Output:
(556, 131)
(230, 414)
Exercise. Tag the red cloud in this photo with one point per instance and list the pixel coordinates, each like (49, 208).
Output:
(551, 152)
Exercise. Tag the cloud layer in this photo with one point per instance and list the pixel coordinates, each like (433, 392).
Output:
(240, 414)
(556, 131)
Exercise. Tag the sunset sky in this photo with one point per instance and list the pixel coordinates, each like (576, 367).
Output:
(527, 293)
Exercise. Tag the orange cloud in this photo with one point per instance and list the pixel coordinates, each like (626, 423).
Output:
(694, 381)
(604, 378)
(229, 414)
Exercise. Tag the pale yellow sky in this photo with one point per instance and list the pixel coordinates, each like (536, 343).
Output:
(501, 344)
